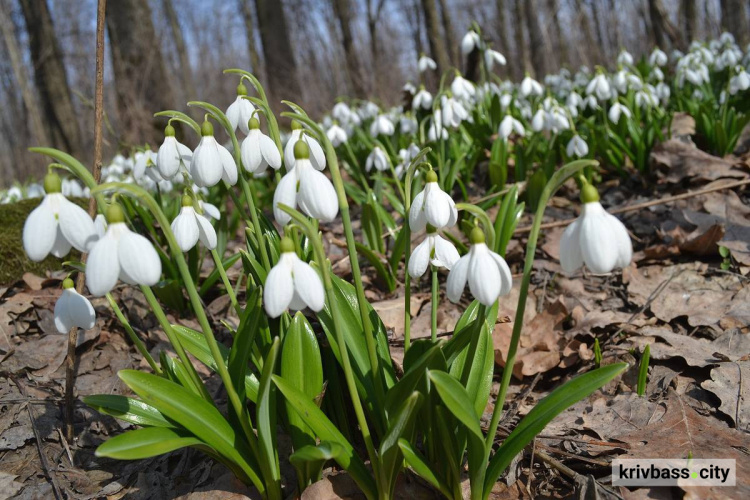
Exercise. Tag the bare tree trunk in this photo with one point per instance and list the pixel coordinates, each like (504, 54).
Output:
(733, 19)
(141, 81)
(342, 9)
(560, 46)
(664, 31)
(50, 77)
(281, 68)
(615, 23)
(503, 44)
(450, 35)
(599, 27)
(689, 13)
(247, 17)
(19, 72)
(179, 43)
(536, 38)
(437, 47)
(519, 23)
(590, 53)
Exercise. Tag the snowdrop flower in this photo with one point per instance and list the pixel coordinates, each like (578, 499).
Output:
(462, 88)
(432, 206)
(72, 189)
(434, 250)
(190, 226)
(211, 161)
(172, 154)
(382, 125)
(73, 310)
(437, 130)
(663, 91)
(145, 167)
(596, 238)
(12, 195)
(599, 86)
(646, 98)
(306, 187)
(292, 284)
(625, 58)
(470, 42)
(341, 112)
(317, 156)
(530, 87)
(377, 159)
(210, 210)
(574, 101)
(510, 125)
(486, 272)
(590, 103)
(337, 135)
(577, 147)
(34, 190)
(122, 254)
(408, 124)
(56, 225)
(657, 58)
(241, 110)
(409, 88)
(453, 112)
(425, 63)
(492, 57)
(616, 111)
(258, 150)
(537, 122)
(422, 99)
(656, 74)
(739, 82)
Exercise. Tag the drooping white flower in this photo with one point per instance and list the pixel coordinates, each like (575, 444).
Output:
(492, 57)
(530, 87)
(73, 310)
(378, 159)
(71, 188)
(422, 99)
(510, 125)
(145, 167)
(409, 88)
(437, 130)
(172, 155)
(599, 86)
(625, 58)
(212, 162)
(337, 135)
(616, 110)
(189, 226)
(306, 187)
(434, 250)
(292, 284)
(577, 147)
(469, 42)
(591, 103)
(453, 112)
(432, 206)
(56, 225)
(486, 272)
(657, 58)
(241, 110)
(408, 124)
(426, 63)
(317, 156)
(382, 125)
(596, 238)
(210, 210)
(258, 151)
(122, 254)
(341, 112)
(462, 88)
(646, 98)
(739, 82)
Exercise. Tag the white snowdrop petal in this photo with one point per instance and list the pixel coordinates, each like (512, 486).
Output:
(211, 210)
(437, 208)
(61, 246)
(139, 259)
(250, 152)
(317, 156)
(420, 258)
(233, 113)
(598, 245)
(102, 265)
(622, 239)
(207, 233)
(80, 310)
(297, 304)
(76, 225)
(484, 277)
(307, 285)
(279, 289)
(317, 195)
(445, 253)
(286, 194)
(63, 322)
(185, 229)
(206, 167)
(168, 158)
(39, 232)
(505, 274)
(270, 152)
(571, 258)
(228, 166)
(454, 286)
(417, 220)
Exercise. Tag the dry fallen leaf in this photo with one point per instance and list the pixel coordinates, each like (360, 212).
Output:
(675, 161)
(728, 384)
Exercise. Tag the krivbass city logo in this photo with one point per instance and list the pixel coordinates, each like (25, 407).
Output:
(674, 472)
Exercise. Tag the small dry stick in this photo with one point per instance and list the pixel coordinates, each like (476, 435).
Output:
(640, 206)
(70, 362)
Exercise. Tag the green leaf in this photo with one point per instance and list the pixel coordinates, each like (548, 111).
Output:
(327, 431)
(128, 409)
(547, 409)
(266, 419)
(401, 425)
(643, 370)
(309, 461)
(145, 443)
(431, 359)
(479, 379)
(383, 269)
(417, 462)
(251, 321)
(457, 400)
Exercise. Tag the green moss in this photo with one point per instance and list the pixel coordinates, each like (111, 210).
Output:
(13, 260)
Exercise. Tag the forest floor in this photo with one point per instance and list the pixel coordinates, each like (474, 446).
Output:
(675, 297)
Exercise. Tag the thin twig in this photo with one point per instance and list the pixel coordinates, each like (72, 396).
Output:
(70, 362)
(640, 206)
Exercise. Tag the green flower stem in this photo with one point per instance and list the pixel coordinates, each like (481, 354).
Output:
(434, 304)
(225, 280)
(239, 408)
(469, 361)
(273, 126)
(131, 333)
(323, 264)
(552, 186)
(248, 190)
(338, 184)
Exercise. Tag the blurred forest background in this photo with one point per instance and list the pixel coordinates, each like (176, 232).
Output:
(163, 53)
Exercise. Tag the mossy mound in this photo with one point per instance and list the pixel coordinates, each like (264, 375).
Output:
(13, 260)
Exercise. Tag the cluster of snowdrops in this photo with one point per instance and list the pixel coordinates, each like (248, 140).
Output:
(324, 374)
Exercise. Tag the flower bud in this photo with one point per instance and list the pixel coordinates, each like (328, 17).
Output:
(68, 283)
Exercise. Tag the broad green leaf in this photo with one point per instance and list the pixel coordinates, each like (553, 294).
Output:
(327, 431)
(145, 443)
(478, 375)
(251, 321)
(310, 460)
(416, 461)
(383, 269)
(266, 419)
(128, 409)
(545, 410)
(465, 326)
(431, 359)
(400, 426)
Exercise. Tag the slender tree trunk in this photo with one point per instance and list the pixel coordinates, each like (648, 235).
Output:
(450, 34)
(599, 27)
(664, 31)
(502, 34)
(560, 46)
(614, 20)
(247, 17)
(281, 67)
(590, 52)
(733, 19)
(536, 37)
(179, 44)
(51, 80)
(437, 47)
(342, 9)
(519, 23)
(689, 13)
